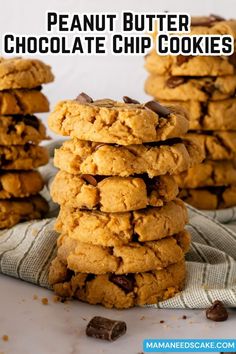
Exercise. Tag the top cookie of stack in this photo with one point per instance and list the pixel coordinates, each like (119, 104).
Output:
(20, 134)
(205, 86)
(122, 226)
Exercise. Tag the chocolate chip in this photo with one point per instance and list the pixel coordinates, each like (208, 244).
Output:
(125, 282)
(157, 108)
(90, 179)
(104, 328)
(175, 81)
(69, 274)
(206, 21)
(31, 121)
(217, 312)
(181, 59)
(127, 99)
(84, 98)
(232, 59)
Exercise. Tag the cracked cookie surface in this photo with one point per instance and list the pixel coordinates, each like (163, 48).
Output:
(113, 229)
(208, 173)
(22, 101)
(112, 194)
(19, 210)
(210, 198)
(210, 115)
(20, 184)
(132, 258)
(216, 145)
(23, 73)
(19, 130)
(118, 291)
(20, 157)
(203, 89)
(108, 121)
(84, 157)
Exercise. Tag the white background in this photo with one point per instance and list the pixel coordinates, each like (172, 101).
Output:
(100, 77)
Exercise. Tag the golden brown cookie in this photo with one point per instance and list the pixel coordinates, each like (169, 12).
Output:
(23, 73)
(20, 184)
(216, 145)
(132, 258)
(115, 229)
(112, 194)
(172, 88)
(120, 123)
(20, 157)
(210, 198)
(19, 210)
(19, 130)
(189, 65)
(210, 115)
(84, 157)
(120, 291)
(22, 102)
(208, 173)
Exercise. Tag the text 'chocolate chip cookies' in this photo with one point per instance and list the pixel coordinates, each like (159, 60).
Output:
(122, 231)
(205, 86)
(20, 134)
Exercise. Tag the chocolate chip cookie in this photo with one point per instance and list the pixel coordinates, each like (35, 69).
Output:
(112, 194)
(84, 157)
(23, 73)
(209, 173)
(22, 102)
(210, 115)
(210, 198)
(20, 184)
(132, 258)
(115, 229)
(119, 291)
(18, 210)
(108, 121)
(19, 130)
(180, 88)
(25, 157)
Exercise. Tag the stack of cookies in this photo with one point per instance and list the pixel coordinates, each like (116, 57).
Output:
(206, 87)
(20, 134)
(122, 238)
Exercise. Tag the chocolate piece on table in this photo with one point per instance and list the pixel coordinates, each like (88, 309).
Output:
(158, 108)
(104, 328)
(127, 99)
(217, 312)
(84, 98)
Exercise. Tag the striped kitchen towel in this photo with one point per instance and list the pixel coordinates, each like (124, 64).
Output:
(27, 250)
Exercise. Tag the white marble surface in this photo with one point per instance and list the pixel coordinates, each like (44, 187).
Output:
(34, 328)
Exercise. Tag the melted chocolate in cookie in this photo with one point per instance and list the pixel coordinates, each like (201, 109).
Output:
(125, 282)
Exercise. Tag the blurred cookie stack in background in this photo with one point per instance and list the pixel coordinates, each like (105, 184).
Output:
(20, 134)
(206, 87)
(122, 239)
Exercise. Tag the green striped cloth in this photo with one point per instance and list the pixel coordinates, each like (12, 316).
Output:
(27, 250)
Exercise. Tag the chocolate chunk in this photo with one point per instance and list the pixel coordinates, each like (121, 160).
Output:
(181, 59)
(232, 59)
(31, 120)
(69, 274)
(206, 21)
(90, 179)
(175, 81)
(127, 99)
(104, 328)
(157, 108)
(217, 312)
(84, 98)
(125, 282)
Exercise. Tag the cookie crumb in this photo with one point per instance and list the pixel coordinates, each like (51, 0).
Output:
(35, 297)
(184, 317)
(5, 338)
(44, 301)
(56, 298)
(162, 321)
